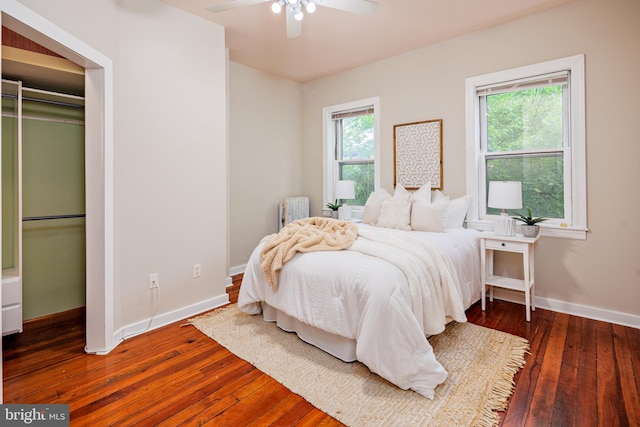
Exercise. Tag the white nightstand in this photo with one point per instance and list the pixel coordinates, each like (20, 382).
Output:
(490, 242)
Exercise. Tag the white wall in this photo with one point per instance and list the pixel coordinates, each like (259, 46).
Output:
(170, 150)
(602, 272)
(265, 133)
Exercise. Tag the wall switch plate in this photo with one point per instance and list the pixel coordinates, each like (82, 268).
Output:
(197, 270)
(153, 280)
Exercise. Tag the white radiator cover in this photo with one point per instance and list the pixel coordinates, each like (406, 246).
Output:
(291, 209)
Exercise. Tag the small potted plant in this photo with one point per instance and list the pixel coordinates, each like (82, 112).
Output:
(334, 208)
(530, 227)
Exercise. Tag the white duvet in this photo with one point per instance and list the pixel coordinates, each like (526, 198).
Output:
(387, 291)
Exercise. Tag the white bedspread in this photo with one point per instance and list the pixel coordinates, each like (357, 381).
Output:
(386, 292)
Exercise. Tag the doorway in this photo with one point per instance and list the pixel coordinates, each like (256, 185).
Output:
(98, 160)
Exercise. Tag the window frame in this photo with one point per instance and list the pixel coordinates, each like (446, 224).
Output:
(331, 168)
(575, 170)
(564, 150)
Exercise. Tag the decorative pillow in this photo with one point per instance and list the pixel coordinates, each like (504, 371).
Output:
(401, 192)
(395, 211)
(430, 217)
(373, 205)
(423, 194)
(457, 209)
(437, 195)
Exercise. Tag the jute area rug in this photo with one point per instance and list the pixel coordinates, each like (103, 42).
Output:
(481, 363)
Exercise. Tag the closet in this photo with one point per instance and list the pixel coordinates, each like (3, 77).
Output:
(43, 224)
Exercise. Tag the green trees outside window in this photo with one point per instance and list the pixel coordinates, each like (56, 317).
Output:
(356, 154)
(525, 141)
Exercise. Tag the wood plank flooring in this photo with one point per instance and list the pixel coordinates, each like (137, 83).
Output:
(580, 372)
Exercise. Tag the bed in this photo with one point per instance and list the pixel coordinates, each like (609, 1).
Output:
(376, 301)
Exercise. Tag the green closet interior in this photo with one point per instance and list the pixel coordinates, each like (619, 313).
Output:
(43, 200)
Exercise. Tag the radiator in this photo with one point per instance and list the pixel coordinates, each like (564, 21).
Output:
(291, 209)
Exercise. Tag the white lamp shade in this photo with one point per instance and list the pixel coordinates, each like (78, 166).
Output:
(505, 195)
(345, 190)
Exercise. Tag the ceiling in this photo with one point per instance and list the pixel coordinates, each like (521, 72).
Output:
(333, 41)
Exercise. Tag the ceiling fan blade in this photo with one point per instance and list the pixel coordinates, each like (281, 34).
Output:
(233, 4)
(294, 27)
(361, 7)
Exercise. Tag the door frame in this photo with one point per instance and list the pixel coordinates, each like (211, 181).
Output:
(100, 337)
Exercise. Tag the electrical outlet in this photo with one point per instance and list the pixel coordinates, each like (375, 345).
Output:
(197, 270)
(153, 280)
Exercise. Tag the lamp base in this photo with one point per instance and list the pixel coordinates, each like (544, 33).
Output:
(505, 225)
(344, 212)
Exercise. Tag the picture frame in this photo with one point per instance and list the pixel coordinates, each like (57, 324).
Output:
(417, 154)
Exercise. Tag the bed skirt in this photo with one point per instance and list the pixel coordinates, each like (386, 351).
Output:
(336, 345)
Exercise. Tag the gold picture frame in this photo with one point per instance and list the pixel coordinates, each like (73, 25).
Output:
(417, 154)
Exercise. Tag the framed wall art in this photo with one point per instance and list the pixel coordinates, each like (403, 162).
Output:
(417, 154)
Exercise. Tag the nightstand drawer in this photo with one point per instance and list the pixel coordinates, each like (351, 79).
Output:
(505, 245)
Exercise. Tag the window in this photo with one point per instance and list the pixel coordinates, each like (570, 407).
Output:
(351, 150)
(527, 125)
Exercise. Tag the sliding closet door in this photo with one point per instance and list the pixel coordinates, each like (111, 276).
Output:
(53, 226)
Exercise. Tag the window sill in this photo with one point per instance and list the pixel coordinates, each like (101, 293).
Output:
(546, 230)
(357, 212)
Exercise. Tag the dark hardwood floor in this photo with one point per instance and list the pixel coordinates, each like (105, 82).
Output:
(580, 372)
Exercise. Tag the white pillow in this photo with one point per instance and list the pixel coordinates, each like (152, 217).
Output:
(395, 211)
(437, 195)
(430, 217)
(373, 205)
(423, 194)
(457, 209)
(401, 192)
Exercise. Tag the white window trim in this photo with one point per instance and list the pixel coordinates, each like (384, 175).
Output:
(330, 170)
(575, 64)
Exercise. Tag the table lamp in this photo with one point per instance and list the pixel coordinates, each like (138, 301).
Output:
(505, 195)
(345, 190)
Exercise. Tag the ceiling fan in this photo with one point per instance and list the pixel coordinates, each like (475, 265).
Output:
(294, 9)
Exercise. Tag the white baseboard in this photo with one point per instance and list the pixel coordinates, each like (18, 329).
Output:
(619, 318)
(238, 269)
(233, 271)
(164, 319)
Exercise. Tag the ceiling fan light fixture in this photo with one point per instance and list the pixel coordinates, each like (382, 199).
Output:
(276, 6)
(294, 9)
(309, 6)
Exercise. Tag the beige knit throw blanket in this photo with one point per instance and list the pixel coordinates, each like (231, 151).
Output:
(304, 235)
